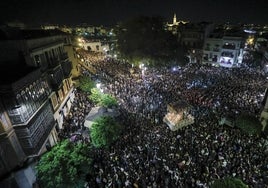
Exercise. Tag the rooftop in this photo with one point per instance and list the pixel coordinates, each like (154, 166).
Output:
(12, 72)
(7, 33)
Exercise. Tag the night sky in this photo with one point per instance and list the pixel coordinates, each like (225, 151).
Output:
(109, 12)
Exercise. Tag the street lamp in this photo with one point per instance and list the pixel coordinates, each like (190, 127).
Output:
(141, 66)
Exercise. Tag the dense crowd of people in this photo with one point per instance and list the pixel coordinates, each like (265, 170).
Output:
(149, 154)
(73, 124)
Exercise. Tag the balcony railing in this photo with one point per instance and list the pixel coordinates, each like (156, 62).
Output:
(53, 62)
(35, 150)
(231, 47)
(227, 54)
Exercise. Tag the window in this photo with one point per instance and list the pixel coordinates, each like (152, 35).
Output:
(215, 58)
(228, 45)
(47, 57)
(65, 90)
(216, 48)
(207, 47)
(37, 60)
(54, 101)
(210, 55)
(60, 94)
(206, 57)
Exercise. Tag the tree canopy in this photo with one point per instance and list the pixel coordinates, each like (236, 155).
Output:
(102, 99)
(229, 182)
(86, 84)
(95, 95)
(249, 124)
(257, 59)
(144, 39)
(108, 101)
(104, 131)
(66, 165)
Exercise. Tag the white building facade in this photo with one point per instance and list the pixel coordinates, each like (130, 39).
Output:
(224, 52)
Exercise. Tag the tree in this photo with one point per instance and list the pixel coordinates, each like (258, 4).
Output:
(249, 124)
(104, 131)
(99, 98)
(95, 95)
(108, 101)
(229, 182)
(86, 84)
(66, 165)
(145, 39)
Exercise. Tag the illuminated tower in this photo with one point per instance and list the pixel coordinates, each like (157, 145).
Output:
(174, 20)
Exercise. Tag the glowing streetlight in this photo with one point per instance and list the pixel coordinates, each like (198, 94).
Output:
(141, 66)
(98, 85)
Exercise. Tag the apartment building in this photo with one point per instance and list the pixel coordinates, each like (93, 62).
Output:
(36, 92)
(224, 51)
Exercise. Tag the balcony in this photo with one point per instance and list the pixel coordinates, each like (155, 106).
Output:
(64, 56)
(33, 135)
(53, 62)
(41, 140)
(229, 46)
(227, 54)
(67, 68)
(55, 77)
(216, 49)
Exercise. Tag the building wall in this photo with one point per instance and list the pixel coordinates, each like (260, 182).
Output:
(212, 50)
(73, 58)
(11, 153)
(96, 46)
(63, 108)
(192, 39)
(233, 52)
(29, 118)
(44, 42)
(225, 52)
(23, 178)
(54, 47)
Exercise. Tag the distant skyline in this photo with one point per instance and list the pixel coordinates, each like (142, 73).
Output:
(110, 12)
